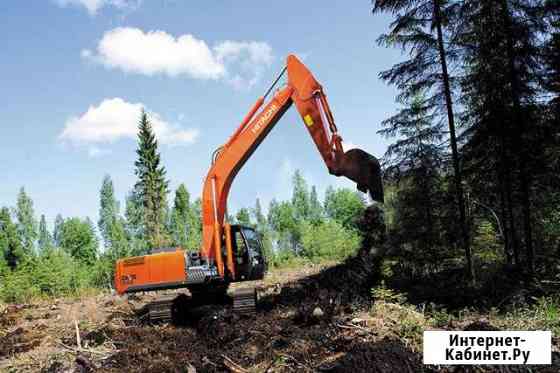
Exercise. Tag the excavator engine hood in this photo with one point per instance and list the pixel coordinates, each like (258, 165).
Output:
(364, 169)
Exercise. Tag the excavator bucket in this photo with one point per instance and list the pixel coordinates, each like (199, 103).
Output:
(364, 169)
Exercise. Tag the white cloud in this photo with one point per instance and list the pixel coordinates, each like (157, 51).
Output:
(132, 50)
(95, 152)
(93, 6)
(114, 119)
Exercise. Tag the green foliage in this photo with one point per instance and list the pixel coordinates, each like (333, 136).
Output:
(328, 240)
(550, 220)
(78, 239)
(134, 223)
(152, 185)
(108, 211)
(26, 222)
(243, 217)
(300, 197)
(53, 274)
(182, 225)
(344, 206)
(316, 213)
(58, 221)
(384, 294)
(11, 249)
(260, 218)
(485, 242)
(281, 218)
(185, 224)
(45, 239)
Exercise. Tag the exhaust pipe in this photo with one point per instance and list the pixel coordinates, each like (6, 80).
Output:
(364, 169)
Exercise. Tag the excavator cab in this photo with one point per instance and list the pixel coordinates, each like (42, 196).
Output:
(248, 254)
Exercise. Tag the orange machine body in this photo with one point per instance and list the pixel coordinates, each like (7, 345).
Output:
(161, 270)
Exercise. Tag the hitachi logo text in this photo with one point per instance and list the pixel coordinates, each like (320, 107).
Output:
(265, 117)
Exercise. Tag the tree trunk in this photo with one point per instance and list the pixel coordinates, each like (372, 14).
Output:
(507, 192)
(453, 138)
(524, 182)
(504, 217)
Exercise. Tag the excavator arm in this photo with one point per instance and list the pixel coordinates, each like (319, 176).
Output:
(307, 94)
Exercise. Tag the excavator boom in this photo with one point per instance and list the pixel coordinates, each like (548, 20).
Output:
(303, 90)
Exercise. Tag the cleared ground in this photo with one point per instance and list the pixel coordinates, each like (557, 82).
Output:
(317, 318)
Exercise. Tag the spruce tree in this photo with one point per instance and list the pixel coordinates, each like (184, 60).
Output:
(152, 185)
(414, 162)
(500, 40)
(421, 27)
(26, 222)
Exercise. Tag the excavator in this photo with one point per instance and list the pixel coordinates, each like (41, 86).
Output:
(233, 253)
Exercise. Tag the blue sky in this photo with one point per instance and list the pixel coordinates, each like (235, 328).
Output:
(73, 71)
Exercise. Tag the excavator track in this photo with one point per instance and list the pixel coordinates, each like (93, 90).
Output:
(170, 308)
(160, 310)
(245, 301)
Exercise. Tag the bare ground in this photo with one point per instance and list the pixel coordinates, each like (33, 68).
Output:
(310, 319)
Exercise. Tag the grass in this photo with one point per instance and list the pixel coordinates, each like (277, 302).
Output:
(393, 317)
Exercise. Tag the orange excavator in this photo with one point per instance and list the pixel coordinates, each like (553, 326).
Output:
(234, 253)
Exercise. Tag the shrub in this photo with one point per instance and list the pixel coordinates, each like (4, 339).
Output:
(328, 240)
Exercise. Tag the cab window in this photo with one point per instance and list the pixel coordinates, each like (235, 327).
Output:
(253, 241)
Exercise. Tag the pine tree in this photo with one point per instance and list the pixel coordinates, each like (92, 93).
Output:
(26, 222)
(11, 248)
(45, 238)
(420, 26)
(152, 185)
